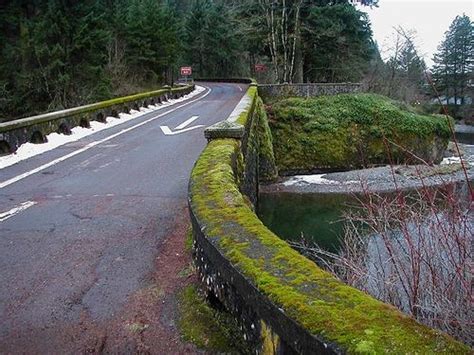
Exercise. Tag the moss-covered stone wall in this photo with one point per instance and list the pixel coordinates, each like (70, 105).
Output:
(284, 302)
(350, 131)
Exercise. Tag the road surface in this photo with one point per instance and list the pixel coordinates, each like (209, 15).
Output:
(86, 242)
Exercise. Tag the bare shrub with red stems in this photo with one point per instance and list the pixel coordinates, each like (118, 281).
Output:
(412, 250)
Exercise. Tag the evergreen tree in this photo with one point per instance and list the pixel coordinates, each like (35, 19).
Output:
(212, 40)
(454, 61)
(338, 43)
(290, 30)
(56, 55)
(404, 77)
(61, 53)
(151, 33)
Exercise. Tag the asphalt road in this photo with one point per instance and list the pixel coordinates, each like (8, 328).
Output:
(95, 223)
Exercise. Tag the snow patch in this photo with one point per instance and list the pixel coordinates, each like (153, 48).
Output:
(317, 179)
(450, 160)
(55, 140)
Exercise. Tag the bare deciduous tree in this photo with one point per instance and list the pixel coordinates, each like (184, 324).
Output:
(282, 21)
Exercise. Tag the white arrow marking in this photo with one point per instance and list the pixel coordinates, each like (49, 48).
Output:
(187, 123)
(168, 132)
(14, 211)
(181, 128)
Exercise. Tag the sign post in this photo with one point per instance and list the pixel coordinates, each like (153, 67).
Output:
(186, 71)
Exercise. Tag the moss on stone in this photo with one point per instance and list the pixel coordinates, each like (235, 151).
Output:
(348, 130)
(306, 293)
(244, 116)
(28, 121)
(260, 136)
(267, 166)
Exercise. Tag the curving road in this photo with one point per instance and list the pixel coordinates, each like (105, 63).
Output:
(81, 239)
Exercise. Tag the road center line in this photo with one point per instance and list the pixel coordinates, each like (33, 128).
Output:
(14, 211)
(93, 144)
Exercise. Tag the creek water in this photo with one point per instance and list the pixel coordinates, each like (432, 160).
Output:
(316, 216)
(319, 218)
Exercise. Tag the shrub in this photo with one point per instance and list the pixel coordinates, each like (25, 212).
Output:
(413, 251)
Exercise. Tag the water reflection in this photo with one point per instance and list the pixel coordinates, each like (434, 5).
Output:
(317, 216)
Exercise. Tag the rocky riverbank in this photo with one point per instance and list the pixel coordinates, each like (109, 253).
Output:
(382, 179)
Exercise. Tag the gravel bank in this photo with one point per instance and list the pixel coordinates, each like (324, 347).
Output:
(381, 179)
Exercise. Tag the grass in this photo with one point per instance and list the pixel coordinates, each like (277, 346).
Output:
(188, 242)
(201, 324)
(207, 328)
(348, 131)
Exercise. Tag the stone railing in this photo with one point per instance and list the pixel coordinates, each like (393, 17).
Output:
(306, 90)
(34, 129)
(283, 301)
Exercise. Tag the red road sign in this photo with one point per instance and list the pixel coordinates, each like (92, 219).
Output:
(186, 71)
(260, 67)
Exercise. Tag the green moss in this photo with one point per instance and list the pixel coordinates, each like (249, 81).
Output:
(348, 131)
(365, 347)
(188, 242)
(252, 94)
(311, 296)
(260, 136)
(267, 166)
(206, 327)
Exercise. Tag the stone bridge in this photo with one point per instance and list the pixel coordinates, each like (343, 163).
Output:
(90, 231)
(284, 302)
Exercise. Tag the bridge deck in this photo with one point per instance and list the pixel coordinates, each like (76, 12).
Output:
(87, 244)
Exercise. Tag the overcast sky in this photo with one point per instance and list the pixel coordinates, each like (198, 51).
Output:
(430, 19)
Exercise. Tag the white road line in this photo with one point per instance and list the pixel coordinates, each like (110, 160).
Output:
(168, 132)
(14, 211)
(187, 122)
(93, 144)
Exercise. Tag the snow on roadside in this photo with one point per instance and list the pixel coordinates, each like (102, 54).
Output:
(314, 179)
(55, 140)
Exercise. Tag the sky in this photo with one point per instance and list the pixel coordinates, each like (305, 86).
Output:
(429, 18)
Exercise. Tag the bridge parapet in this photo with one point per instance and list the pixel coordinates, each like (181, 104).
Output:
(306, 89)
(34, 129)
(284, 302)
